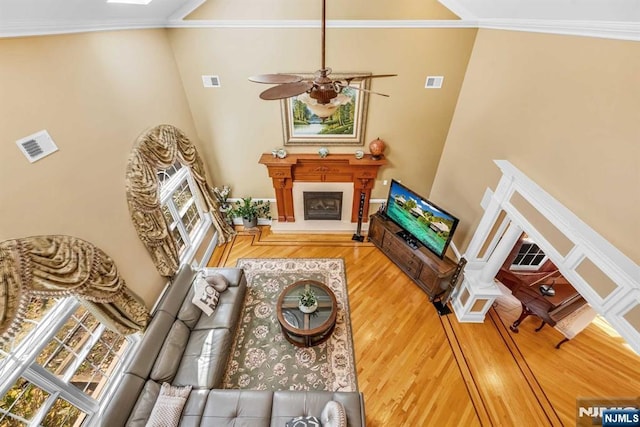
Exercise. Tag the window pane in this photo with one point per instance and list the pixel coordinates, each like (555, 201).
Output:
(63, 414)
(191, 218)
(165, 175)
(21, 403)
(182, 196)
(96, 369)
(60, 354)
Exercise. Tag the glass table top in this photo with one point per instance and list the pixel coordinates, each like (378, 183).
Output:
(296, 318)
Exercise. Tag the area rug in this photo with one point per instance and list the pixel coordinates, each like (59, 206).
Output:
(261, 357)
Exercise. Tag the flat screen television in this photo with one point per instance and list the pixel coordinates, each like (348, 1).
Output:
(420, 219)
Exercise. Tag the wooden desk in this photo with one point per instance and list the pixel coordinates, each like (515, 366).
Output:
(550, 309)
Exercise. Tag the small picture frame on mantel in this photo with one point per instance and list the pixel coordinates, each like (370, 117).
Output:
(305, 122)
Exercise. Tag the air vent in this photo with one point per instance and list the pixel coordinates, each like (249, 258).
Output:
(434, 82)
(37, 146)
(211, 81)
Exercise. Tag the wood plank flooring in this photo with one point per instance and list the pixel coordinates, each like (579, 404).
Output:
(416, 368)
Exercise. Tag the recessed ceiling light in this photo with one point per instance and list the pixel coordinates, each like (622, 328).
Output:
(130, 1)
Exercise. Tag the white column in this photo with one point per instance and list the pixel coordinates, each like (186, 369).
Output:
(478, 291)
(500, 253)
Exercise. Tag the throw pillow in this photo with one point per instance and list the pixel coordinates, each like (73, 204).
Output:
(334, 415)
(168, 407)
(304, 422)
(218, 281)
(205, 297)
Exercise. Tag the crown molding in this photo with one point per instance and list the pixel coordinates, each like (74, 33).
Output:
(298, 23)
(601, 29)
(26, 29)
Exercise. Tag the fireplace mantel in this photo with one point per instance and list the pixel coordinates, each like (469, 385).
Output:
(312, 168)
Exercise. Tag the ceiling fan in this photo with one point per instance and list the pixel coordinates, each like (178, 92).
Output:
(321, 88)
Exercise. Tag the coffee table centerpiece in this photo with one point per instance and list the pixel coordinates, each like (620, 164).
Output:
(300, 325)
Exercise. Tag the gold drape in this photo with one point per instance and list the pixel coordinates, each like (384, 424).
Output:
(58, 266)
(155, 150)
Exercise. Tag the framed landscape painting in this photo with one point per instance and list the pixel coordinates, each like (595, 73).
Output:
(306, 123)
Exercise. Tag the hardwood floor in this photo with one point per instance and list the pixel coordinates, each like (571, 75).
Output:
(418, 369)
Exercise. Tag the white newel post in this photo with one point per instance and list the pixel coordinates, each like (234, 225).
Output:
(478, 290)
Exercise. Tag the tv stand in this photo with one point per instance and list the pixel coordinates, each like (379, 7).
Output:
(408, 239)
(429, 272)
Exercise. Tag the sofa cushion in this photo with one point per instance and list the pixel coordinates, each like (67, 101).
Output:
(143, 406)
(123, 401)
(203, 361)
(205, 296)
(151, 344)
(192, 413)
(291, 404)
(218, 281)
(247, 408)
(333, 415)
(233, 275)
(168, 407)
(168, 360)
(227, 313)
(178, 289)
(189, 313)
(308, 421)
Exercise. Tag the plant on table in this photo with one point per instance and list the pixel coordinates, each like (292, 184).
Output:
(308, 297)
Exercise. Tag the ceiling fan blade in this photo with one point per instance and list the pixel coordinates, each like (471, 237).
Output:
(275, 78)
(364, 90)
(286, 90)
(366, 76)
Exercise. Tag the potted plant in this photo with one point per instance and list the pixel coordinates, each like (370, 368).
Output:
(250, 210)
(222, 194)
(307, 302)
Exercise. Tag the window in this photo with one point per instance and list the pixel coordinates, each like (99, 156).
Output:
(529, 256)
(59, 367)
(183, 208)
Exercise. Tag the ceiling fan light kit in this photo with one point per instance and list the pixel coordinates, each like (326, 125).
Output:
(323, 94)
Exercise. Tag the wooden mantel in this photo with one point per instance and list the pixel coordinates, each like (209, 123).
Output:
(313, 168)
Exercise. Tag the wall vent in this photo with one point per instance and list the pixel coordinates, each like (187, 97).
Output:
(37, 146)
(434, 82)
(211, 81)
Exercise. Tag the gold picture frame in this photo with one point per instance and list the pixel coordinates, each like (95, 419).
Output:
(346, 126)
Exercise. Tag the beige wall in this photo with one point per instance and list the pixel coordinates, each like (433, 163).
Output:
(94, 93)
(565, 111)
(238, 126)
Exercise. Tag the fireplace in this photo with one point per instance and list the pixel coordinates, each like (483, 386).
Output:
(359, 175)
(322, 205)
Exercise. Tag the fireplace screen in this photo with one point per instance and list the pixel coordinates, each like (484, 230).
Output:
(322, 205)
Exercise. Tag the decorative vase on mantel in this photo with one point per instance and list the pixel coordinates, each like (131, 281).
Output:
(376, 148)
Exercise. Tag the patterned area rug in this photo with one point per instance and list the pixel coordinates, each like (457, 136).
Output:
(262, 358)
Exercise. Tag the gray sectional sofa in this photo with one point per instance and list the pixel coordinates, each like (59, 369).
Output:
(183, 346)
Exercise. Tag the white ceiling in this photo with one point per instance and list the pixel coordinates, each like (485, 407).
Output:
(601, 18)
(554, 10)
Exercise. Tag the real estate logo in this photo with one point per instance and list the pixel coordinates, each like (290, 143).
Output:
(608, 412)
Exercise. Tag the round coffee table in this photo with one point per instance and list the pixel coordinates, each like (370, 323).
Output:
(302, 329)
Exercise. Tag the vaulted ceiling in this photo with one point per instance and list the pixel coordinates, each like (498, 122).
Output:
(602, 18)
